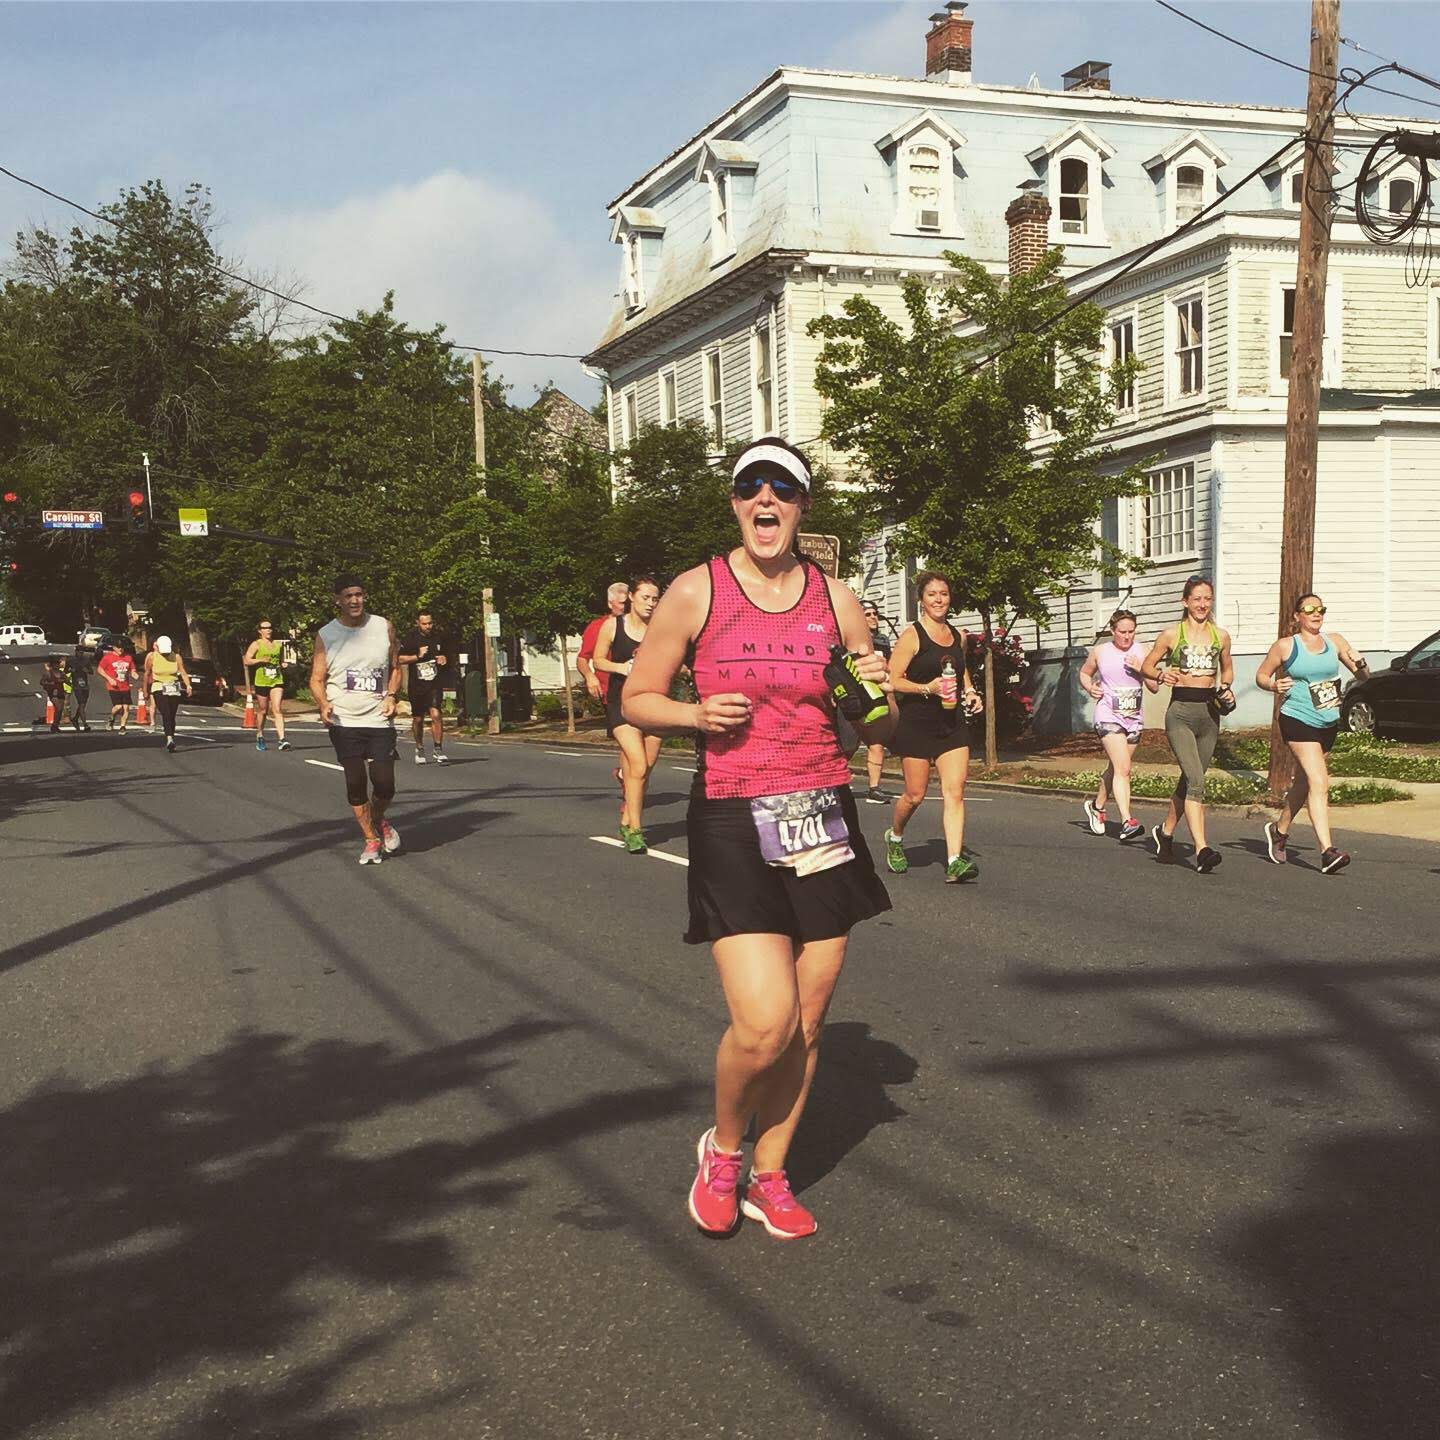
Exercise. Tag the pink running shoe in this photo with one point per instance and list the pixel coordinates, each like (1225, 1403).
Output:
(389, 837)
(768, 1200)
(713, 1201)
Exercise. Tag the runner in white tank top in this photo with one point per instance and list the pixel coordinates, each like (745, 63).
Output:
(355, 678)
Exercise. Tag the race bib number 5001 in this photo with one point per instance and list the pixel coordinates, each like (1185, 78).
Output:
(364, 682)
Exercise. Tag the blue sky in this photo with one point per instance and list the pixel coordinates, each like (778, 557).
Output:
(463, 154)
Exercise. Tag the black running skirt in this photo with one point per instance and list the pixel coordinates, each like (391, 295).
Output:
(734, 892)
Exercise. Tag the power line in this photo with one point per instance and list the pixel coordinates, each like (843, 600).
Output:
(1305, 69)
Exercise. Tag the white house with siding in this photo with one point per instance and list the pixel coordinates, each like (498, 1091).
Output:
(819, 185)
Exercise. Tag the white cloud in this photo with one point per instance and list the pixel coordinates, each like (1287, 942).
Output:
(488, 261)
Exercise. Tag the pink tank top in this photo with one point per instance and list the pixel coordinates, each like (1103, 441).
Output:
(778, 660)
(1120, 704)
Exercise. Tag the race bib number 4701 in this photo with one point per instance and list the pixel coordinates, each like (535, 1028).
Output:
(805, 830)
(364, 682)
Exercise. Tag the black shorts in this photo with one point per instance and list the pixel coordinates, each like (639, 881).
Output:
(354, 742)
(1293, 729)
(734, 892)
(425, 698)
(118, 697)
(926, 731)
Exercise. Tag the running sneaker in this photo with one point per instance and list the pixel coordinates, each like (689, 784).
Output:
(634, 839)
(962, 867)
(1207, 860)
(714, 1202)
(390, 837)
(876, 796)
(283, 745)
(895, 854)
(122, 729)
(260, 743)
(768, 1200)
(1164, 845)
(1096, 817)
(110, 724)
(372, 854)
(419, 756)
(1132, 829)
(169, 741)
(1275, 843)
(441, 758)
(1332, 860)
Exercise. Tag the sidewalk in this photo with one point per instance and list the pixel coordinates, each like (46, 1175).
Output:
(1414, 819)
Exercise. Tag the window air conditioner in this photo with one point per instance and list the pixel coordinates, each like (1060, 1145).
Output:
(928, 220)
(632, 299)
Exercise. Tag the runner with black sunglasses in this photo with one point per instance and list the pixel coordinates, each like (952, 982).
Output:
(779, 871)
(1304, 668)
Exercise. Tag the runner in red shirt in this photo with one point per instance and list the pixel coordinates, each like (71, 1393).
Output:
(117, 668)
(596, 681)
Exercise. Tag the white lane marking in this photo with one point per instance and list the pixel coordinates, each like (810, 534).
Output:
(688, 769)
(654, 854)
(577, 754)
(327, 764)
(204, 739)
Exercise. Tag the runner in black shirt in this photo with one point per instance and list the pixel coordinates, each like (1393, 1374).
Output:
(427, 654)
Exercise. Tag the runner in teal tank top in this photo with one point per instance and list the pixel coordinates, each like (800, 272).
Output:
(267, 683)
(1304, 668)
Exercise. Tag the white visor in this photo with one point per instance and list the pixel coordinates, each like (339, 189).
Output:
(777, 455)
(164, 644)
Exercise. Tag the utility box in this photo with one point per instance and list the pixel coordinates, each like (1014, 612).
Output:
(516, 701)
(475, 695)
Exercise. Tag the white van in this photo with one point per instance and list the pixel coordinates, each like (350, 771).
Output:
(20, 635)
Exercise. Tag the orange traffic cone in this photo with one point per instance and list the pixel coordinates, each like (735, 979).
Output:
(142, 710)
(251, 720)
(49, 709)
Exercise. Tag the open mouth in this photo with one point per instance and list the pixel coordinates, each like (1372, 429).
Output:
(767, 524)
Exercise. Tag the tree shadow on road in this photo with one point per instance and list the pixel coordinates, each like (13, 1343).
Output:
(1347, 1250)
(849, 1099)
(197, 1220)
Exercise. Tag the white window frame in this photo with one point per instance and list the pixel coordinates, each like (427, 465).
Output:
(1432, 332)
(713, 371)
(1119, 320)
(762, 346)
(1160, 522)
(722, 213)
(1174, 364)
(629, 416)
(1199, 151)
(931, 131)
(1079, 142)
(669, 397)
(632, 273)
(1332, 356)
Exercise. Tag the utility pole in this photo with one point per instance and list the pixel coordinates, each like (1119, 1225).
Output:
(487, 595)
(1302, 413)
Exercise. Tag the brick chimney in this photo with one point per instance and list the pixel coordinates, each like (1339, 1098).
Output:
(1028, 217)
(947, 45)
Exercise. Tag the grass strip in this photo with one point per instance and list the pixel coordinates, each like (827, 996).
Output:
(1220, 789)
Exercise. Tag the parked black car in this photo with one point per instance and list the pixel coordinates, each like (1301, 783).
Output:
(1404, 697)
(207, 685)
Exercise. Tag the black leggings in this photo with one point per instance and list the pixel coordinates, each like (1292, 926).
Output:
(168, 706)
(381, 780)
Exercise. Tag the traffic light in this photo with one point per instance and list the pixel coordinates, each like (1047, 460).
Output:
(139, 516)
(10, 518)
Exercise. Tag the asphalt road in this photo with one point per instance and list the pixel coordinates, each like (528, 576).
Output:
(292, 1148)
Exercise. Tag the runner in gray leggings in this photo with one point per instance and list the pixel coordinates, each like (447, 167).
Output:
(1193, 658)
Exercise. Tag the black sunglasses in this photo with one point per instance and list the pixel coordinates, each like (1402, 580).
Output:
(747, 487)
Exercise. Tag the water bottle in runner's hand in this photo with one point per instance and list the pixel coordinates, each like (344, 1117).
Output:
(861, 702)
(949, 690)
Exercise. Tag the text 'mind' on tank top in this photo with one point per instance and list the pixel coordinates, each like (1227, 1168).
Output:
(777, 659)
(357, 669)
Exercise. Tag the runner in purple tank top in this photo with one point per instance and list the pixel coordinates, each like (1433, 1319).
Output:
(1111, 677)
(779, 871)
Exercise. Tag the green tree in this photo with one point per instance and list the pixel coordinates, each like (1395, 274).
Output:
(975, 428)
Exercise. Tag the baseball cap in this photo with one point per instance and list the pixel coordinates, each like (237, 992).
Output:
(164, 644)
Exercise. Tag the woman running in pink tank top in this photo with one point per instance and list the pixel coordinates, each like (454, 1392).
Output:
(779, 871)
(1111, 677)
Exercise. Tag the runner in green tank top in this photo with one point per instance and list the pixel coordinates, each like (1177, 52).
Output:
(267, 683)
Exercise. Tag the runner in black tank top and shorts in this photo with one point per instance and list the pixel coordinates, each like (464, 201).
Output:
(615, 648)
(937, 700)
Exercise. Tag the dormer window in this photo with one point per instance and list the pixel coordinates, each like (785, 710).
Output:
(922, 153)
(1400, 195)
(1290, 183)
(1073, 162)
(639, 232)
(1297, 187)
(727, 170)
(1188, 172)
(1075, 196)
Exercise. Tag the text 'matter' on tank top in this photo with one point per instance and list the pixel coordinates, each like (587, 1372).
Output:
(357, 666)
(777, 659)
(1314, 698)
(1120, 702)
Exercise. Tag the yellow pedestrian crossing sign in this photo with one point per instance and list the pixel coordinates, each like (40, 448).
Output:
(194, 522)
